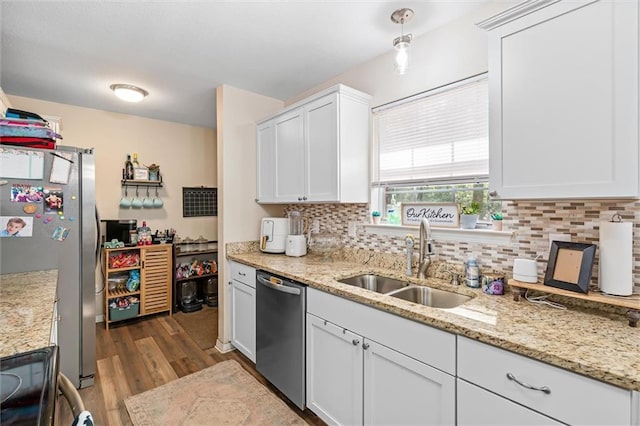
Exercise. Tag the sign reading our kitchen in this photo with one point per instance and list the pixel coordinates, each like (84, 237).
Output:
(438, 214)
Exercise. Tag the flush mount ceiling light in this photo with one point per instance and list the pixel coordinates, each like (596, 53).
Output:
(129, 93)
(401, 43)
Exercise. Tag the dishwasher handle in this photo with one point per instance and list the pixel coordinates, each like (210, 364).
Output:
(278, 287)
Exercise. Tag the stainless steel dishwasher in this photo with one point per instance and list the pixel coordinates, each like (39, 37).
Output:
(281, 306)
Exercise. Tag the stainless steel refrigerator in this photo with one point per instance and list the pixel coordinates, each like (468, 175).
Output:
(52, 192)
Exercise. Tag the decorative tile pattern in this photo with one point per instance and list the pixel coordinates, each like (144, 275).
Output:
(532, 221)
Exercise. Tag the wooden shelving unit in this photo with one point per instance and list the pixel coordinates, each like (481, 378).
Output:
(154, 293)
(631, 303)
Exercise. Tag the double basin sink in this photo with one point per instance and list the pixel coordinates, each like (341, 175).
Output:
(423, 295)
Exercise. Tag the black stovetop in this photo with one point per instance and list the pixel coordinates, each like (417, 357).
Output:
(28, 386)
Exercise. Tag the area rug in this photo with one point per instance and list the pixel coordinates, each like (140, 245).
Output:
(224, 394)
(201, 326)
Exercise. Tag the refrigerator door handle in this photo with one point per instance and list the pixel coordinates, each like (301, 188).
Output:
(99, 236)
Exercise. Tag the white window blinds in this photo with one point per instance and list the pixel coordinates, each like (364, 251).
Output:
(435, 136)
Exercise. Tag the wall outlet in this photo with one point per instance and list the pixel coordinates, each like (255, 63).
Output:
(351, 231)
(559, 237)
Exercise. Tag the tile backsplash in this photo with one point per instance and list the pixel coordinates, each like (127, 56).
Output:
(531, 221)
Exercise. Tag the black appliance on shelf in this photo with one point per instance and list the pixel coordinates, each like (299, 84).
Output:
(189, 301)
(120, 230)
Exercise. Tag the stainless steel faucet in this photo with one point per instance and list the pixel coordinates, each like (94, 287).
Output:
(425, 248)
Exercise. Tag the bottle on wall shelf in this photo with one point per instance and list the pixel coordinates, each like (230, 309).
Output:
(136, 165)
(472, 273)
(128, 168)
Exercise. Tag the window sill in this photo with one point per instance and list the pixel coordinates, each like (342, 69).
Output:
(445, 234)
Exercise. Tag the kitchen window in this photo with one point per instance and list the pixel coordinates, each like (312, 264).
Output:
(434, 147)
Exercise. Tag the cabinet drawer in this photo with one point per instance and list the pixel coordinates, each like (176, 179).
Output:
(573, 398)
(243, 273)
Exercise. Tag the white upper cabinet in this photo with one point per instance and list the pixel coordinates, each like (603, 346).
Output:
(316, 150)
(563, 91)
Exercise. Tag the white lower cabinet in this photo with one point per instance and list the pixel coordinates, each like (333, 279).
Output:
(243, 309)
(477, 406)
(557, 393)
(334, 372)
(353, 379)
(399, 390)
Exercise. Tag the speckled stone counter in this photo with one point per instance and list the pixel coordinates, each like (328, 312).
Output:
(26, 310)
(593, 343)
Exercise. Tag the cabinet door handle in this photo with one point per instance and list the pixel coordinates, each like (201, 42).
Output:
(365, 346)
(513, 378)
(242, 273)
(304, 198)
(355, 342)
(493, 193)
(299, 198)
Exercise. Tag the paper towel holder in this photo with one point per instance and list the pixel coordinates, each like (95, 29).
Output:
(570, 266)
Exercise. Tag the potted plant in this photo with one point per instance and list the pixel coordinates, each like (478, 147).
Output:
(497, 221)
(154, 172)
(375, 217)
(469, 215)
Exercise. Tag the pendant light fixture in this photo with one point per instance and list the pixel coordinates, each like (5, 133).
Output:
(401, 43)
(129, 93)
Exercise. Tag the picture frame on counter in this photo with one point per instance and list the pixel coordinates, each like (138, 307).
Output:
(441, 215)
(570, 266)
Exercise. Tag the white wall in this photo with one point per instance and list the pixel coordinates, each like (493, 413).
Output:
(237, 113)
(447, 54)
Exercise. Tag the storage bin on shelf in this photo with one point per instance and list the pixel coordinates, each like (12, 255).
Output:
(123, 308)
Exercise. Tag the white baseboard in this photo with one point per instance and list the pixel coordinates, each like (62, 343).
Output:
(224, 347)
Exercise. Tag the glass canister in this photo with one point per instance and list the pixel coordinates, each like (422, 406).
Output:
(472, 273)
(296, 223)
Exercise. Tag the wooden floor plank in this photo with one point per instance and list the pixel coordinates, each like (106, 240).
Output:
(122, 370)
(112, 399)
(133, 365)
(167, 342)
(159, 368)
(171, 325)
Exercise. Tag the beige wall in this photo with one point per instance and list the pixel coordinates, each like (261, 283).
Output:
(237, 113)
(186, 155)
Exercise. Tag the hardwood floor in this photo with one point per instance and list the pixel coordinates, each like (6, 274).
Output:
(143, 354)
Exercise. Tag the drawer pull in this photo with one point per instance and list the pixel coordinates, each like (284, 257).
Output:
(355, 342)
(365, 346)
(242, 274)
(544, 389)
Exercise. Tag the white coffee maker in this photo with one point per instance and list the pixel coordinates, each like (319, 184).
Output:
(296, 244)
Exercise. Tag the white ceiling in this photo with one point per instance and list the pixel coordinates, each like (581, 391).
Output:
(71, 51)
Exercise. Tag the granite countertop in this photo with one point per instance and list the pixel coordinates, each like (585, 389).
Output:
(26, 310)
(593, 343)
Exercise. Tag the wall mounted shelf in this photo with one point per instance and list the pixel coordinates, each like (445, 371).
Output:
(151, 183)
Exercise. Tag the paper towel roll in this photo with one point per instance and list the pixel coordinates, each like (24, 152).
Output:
(616, 258)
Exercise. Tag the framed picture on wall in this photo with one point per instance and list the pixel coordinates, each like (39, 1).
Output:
(570, 266)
